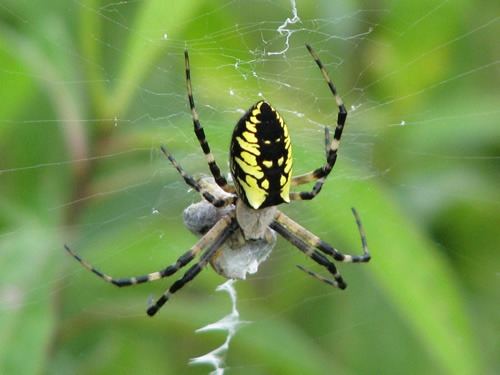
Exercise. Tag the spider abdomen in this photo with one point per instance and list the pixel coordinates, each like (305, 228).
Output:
(261, 157)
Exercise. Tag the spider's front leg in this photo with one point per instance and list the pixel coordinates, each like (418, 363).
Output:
(170, 270)
(227, 226)
(212, 240)
(184, 259)
(325, 247)
(304, 240)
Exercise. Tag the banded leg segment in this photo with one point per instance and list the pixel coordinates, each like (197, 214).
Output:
(191, 273)
(132, 280)
(326, 248)
(183, 260)
(200, 134)
(191, 182)
(316, 275)
(311, 253)
(320, 174)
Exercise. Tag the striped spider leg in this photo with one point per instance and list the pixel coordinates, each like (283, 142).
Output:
(332, 147)
(306, 241)
(200, 134)
(212, 241)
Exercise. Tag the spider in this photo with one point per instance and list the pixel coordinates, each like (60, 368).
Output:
(261, 167)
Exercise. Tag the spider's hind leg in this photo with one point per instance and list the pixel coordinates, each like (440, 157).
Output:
(332, 146)
(200, 134)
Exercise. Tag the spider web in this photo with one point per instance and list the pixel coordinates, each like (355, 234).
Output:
(128, 200)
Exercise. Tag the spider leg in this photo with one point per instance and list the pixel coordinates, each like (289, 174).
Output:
(314, 274)
(200, 134)
(192, 272)
(191, 182)
(170, 270)
(331, 147)
(311, 253)
(326, 248)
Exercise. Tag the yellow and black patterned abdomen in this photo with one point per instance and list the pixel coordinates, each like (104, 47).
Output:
(261, 157)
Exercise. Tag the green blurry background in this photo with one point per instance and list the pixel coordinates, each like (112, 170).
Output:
(90, 89)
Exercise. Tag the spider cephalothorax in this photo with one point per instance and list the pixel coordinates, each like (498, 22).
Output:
(261, 165)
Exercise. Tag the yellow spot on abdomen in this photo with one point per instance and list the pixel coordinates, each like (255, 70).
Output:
(268, 163)
(248, 164)
(251, 126)
(249, 137)
(250, 147)
(255, 195)
(283, 180)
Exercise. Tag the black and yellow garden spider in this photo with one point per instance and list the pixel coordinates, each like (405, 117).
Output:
(261, 166)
